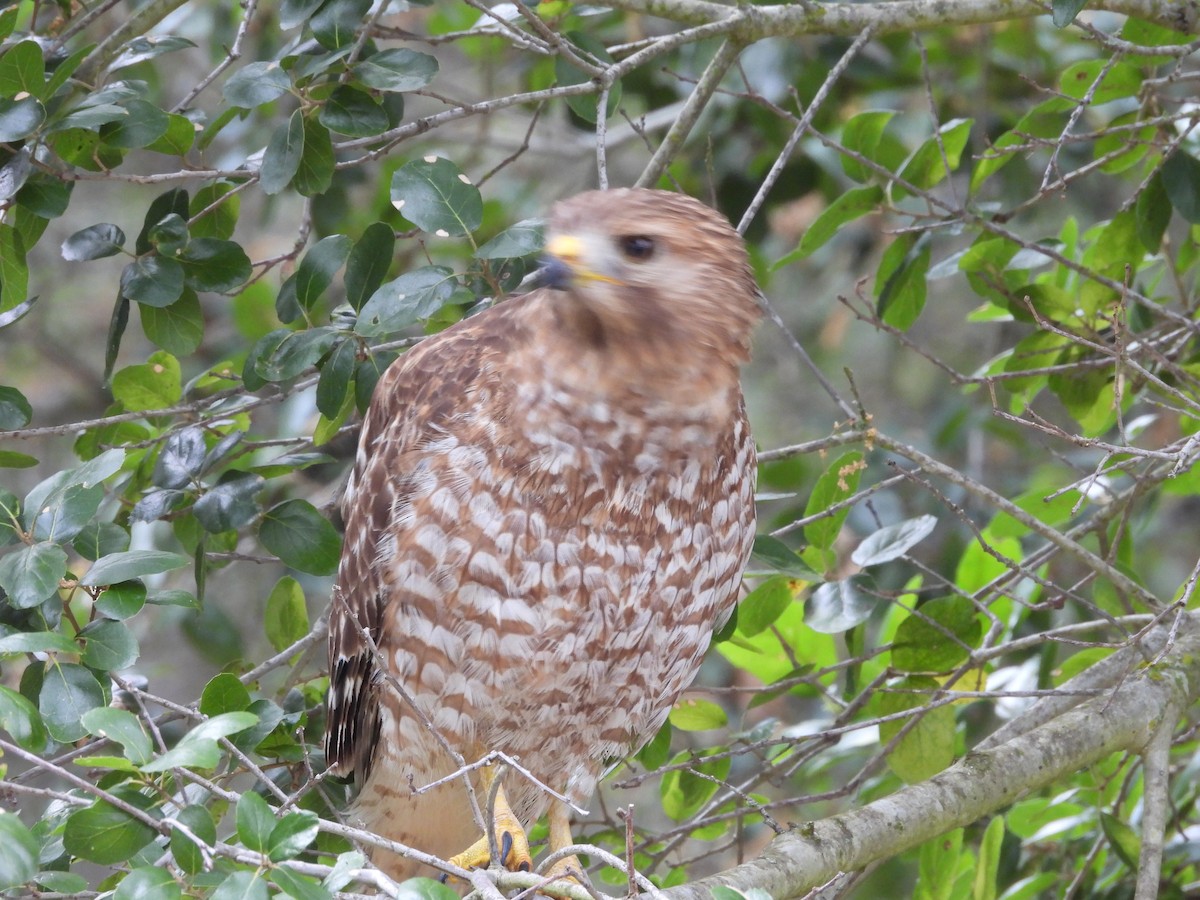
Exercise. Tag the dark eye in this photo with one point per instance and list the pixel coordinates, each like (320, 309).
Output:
(637, 246)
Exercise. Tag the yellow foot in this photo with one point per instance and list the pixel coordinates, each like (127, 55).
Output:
(510, 839)
(568, 868)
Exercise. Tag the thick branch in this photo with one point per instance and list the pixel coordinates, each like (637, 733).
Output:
(979, 784)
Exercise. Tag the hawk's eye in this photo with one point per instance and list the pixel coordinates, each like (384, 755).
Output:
(637, 246)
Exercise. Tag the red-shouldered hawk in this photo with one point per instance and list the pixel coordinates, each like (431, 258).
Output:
(550, 511)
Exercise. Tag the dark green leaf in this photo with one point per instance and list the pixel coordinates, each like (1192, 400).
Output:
(353, 112)
(291, 835)
(519, 240)
(214, 265)
(437, 197)
(11, 459)
(168, 204)
(938, 636)
(255, 821)
(36, 642)
(18, 852)
(295, 12)
(23, 723)
(902, 294)
(1181, 180)
(927, 166)
(1120, 81)
(20, 118)
(764, 605)
(157, 504)
(22, 70)
(122, 600)
(110, 646)
(836, 484)
(301, 887)
(116, 329)
(97, 539)
(123, 727)
(15, 411)
(256, 84)
(230, 504)
(368, 263)
(170, 234)
(66, 512)
(93, 242)
(566, 73)
(132, 564)
(106, 835)
(222, 211)
(336, 374)
(181, 459)
(68, 692)
(892, 541)
(849, 206)
(154, 281)
(281, 160)
(147, 47)
(301, 537)
(1065, 11)
(244, 884)
(187, 854)
(397, 69)
(1123, 839)
(1153, 213)
(45, 196)
(863, 134)
(14, 275)
(144, 124)
(178, 138)
(177, 328)
(31, 574)
(315, 172)
(148, 883)
(287, 617)
(838, 606)
(296, 352)
(315, 272)
(335, 25)
(413, 297)
(224, 693)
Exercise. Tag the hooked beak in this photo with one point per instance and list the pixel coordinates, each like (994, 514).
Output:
(564, 264)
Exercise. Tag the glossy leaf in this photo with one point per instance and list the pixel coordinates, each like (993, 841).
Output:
(210, 264)
(105, 834)
(281, 160)
(1181, 182)
(763, 605)
(404, 301)
(148, 883)
(229, 505)
(188, 855)
(255, 821)
(368, 263)
(123, 727)
(838, 482)
(132, 564)
(849, 206)
(315, 172)
(437, 197)
(352, 112)
(396, 69)
(23, 722)
(19, 852)
(291, 835)
(15, 411)
(93, 242)
(301, 537)
(893, 541)
(317, 268)
(154, 281)
(255, 84)
(31, 574)
(838, 606)
(68, 692)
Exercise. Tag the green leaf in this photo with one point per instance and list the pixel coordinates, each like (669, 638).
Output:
(23, 723)
(437, 197)
(1065, 11)
(299, 886)
(892, 541)
(838, 606)
(566, 73)
(836, 484)
(154, 281)
(224, 693)
(31, 574)
(36, 642)
(255, 821)
(863, 134)
(1123, 839)
(902, 293)
(335, 24)
(281, 160)
(522, 239)
(110, 646)
(315, 272)
(15, 411)
(144, 123)
(123, 727)
(404, 301)
(396, 69)
(187, 853)
(1181, 181)
(683, 792)
(177, 139)
(93, 242)
(287, 617)
(229, 505)
(657, 751)
(929, 747)
(20, 118)
(986, 883)
(1120, 81)
(368, 263)
(148, 883)
(846, 208)
(18, 852)
(697, 715)
(11, 459)
(202, 753)
(45, 196)
(336, 375)
(291, 835)
(939, 862)
(764, 605)
(301, 537)
(220, 208)
(353, 112)
(167, 208)
(1153, 213)
(315, 172)
(938, 636)
(116, 329)
(181, 459)
(296, 352)
(244, 884)
(68, 692)
(927, 166)
(14, 271)
(132, 564)
(22, 70)
(153, 385)
(177, 328)
(210, 264)
(148, 47)
(256, 84)
(106, 835)
(123, 600)
(772, 556)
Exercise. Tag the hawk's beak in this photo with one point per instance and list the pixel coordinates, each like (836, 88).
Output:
(564, 263)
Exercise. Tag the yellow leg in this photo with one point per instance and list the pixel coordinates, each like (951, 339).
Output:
(568, 867)
(510, 835)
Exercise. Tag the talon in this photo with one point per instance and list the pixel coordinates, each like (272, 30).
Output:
(506, 843)
(524, 866)
(444, 877)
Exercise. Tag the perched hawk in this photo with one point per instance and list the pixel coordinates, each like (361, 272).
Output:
(550, 511)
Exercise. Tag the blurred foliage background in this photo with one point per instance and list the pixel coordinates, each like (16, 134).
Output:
(976, 398)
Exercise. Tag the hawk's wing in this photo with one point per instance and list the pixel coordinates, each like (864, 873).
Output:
(415, 399)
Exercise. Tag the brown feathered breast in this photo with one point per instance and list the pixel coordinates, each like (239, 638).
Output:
(550, 510)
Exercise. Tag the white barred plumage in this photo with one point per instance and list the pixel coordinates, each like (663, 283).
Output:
(550, 511)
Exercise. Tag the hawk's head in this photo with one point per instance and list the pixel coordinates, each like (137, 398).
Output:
(655, 266)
